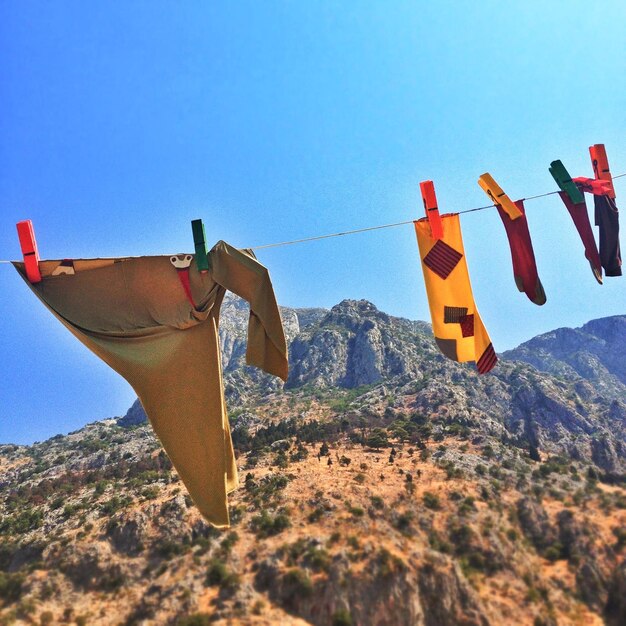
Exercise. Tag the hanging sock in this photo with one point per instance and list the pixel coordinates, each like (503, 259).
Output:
(607, 219)
(458, 329)
(522, 255)
(578, 213)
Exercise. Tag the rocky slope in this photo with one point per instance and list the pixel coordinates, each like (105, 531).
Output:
(594, 352)
(580, 413)
(383, 485)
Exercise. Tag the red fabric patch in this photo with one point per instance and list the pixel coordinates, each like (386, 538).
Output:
(454, 314)
(467, 325)
(487, 360)
(442, 259)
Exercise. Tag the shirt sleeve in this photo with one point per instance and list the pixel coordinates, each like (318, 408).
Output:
(240, 272)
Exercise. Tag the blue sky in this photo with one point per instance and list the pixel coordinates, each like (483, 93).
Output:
(122, 121)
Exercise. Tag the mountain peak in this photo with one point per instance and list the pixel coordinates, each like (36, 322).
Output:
(595, 351)
(359, 306)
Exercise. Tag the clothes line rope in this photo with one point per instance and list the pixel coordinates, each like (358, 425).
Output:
(379, 227)
(364, 230)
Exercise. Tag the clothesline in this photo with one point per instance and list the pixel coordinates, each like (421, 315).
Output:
(364, 230)
(379, 227)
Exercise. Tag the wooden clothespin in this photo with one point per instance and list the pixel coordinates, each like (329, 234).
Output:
(565, 182)
(28, 244)
(602, 184)
(199, 241)
(432, 210)
(494, 191)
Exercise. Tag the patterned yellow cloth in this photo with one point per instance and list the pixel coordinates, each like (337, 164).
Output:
(458, 329)
(135, 315)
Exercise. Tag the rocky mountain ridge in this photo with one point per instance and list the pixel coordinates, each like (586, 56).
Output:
(577, 412)
(384, 484)
(594, 352)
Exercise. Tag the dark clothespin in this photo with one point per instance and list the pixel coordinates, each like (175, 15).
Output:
(199, 241)
(432, 210)
(602, 184)
(28, 244)
(565, 182)
(494, 191)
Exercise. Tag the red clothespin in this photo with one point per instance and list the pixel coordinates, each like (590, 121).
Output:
(28, 244)
(432, 210)
(602, 184)
(600, 164)
(594, 186)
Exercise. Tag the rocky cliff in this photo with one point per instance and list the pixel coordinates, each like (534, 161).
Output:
(594, 352)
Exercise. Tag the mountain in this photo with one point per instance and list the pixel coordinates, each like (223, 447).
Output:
(580, 413)
(384, 484)
(594, 352)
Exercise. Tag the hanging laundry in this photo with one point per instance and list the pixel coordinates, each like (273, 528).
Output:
(136, 316)
(607, 219)
(458, 329)
(522, 254)
(578, 213)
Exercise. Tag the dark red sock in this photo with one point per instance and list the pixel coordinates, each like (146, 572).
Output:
(579, 215)
(524, 266)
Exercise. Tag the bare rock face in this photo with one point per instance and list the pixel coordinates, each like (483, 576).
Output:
(433, 592)
(93, 568)
(535, 523)
(604, 453)
(321, 360)
(367, 356)
(448, 599)
(616, 604)
(593, 352)
(356, 344)
(592, 585)
(134, 416)
(127, 532)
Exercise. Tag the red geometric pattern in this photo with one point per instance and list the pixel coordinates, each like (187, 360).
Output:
(467, 325)
(442, 259)
(454, 314)
(487, 360)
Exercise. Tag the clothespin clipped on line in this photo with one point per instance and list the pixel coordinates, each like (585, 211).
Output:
(199, 241)
(494, 191)
(28, 244)
(602, 184)
(432, 210)
(565, 182)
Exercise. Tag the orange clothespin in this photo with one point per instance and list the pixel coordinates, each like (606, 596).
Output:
(28, 244)
(432, 210)
(494, 191)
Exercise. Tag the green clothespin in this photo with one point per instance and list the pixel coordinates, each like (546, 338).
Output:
(199, 241)
(565, 182)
